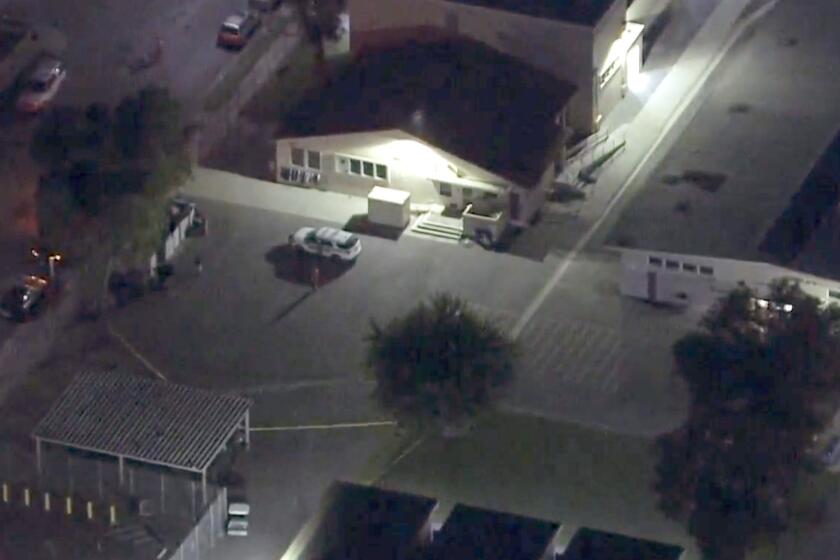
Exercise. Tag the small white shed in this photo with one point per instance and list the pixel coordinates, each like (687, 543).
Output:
(389, 207)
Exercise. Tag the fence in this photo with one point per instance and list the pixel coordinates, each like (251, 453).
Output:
(206, 531)
(151, 510)
(180, 222)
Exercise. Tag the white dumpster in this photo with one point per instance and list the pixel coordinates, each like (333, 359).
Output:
(389, 207)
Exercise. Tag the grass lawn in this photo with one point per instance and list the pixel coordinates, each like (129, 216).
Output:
(531, 466)
(580, 477)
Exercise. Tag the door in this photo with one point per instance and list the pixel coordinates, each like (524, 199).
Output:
(514, 206)
(651, 285)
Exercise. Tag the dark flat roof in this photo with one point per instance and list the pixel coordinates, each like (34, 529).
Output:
(368, 523)
(143, 419)
(590, 544)
(582, 12)
(480, 534)
(457, 95)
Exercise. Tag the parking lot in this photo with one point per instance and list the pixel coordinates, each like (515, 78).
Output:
(251, 323)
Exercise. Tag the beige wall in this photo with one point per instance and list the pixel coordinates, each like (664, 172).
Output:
(573, 53)
(412, 166)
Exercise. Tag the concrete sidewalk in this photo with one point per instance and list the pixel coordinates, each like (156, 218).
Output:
(244, 191)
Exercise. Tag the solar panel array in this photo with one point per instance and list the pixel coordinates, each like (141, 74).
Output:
(143, 419)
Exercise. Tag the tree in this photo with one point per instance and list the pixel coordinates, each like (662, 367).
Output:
(439, 364)
(108, 176)
(764, 378)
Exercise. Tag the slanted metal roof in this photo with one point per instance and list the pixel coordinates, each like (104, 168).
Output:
(143, 420)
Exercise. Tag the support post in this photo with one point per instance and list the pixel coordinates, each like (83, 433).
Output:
(70, 481)
(162, 494)
(38, 454)
(192, 499)
(212, 526)
(204, 487)
(99, 479)
(121, 468)
(248, 429)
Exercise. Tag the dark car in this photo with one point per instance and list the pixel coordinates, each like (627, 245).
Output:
(24, 299)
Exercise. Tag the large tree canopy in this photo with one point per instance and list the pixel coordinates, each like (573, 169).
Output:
(102, 197)
(98, 164)
(440, 363)
(764, 377)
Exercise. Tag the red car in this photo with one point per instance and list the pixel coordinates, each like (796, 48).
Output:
(237, 29)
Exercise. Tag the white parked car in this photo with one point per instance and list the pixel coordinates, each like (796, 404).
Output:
(331, 243)
(42, 86)
(237, 521)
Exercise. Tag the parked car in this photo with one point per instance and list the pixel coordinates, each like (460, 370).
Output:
(237, 519)
(238, 28)
(24, 298)
(264, 6)
(332, 243)
(42, 86)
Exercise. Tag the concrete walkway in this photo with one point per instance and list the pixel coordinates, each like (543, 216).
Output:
(648, 130)
(311, 203)
(668, 103)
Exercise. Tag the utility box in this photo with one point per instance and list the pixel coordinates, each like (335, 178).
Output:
(389, 207)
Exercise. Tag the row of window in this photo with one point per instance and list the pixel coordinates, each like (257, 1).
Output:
(362, 168)
(306, 158)
(685, 267)
(311, 159)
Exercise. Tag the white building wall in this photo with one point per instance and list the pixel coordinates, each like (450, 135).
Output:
(699, 281)
(412, 166)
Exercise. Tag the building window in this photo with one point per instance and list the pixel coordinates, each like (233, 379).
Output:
(298, 157)
(834, 294)
(362, 167)
(489, 195)
(655, 261)
(313, 159)
(707, 270)
(445, 189)
(467, 193)
(672, 265)
(690, 267)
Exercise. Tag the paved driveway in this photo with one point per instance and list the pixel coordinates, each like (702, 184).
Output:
(251, 322)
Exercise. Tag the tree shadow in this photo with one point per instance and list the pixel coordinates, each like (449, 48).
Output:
(300, 269)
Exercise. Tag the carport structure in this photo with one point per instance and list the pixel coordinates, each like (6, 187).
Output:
(144, 420)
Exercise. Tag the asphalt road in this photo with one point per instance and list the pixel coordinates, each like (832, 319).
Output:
(102, 37)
